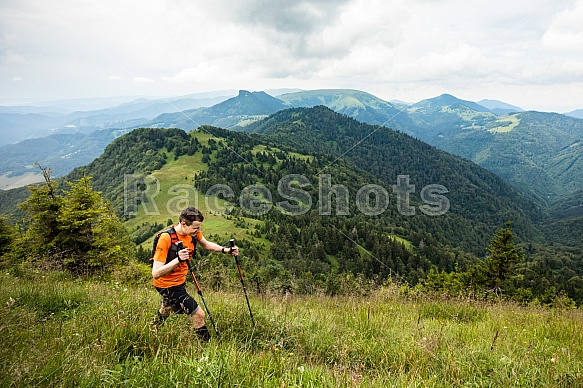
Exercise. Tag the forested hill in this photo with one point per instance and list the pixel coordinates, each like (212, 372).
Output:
(475, 194)
(307, 239)
(479, 202)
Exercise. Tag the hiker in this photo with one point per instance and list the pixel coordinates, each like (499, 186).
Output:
(170, 267)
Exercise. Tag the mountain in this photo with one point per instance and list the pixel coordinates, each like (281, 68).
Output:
(64, 141)
(500, 108)
(533, 150)
(236, 111)
(359, 105)
(18, 123)
(61, 152)
(540, 153)
(315, 195)
(387, 154)
(576, 113)
(16, 127)
(352, 154)
(437, 103)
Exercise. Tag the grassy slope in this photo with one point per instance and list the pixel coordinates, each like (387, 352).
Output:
(177, 192)
(60, 332)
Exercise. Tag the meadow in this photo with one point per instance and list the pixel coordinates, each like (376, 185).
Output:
(56, 331)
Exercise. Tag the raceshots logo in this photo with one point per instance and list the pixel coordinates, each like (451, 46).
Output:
(257, 199)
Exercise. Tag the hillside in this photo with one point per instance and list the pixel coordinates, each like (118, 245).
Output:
(539, 153)
(247, 106)
(535, 151)
(62, 152)
(92, 333)
(477, 197)
(321, 196)
(386, 154)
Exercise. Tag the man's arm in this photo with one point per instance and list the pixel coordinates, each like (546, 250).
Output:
(211, 246)
(160, 269)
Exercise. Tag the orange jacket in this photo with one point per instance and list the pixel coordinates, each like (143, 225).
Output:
(178, 275)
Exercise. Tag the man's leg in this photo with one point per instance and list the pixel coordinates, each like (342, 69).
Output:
(163, 313)
(199, 326)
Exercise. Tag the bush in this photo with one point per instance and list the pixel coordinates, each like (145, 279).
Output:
(133, 273)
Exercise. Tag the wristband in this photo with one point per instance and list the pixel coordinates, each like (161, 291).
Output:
(222, 249)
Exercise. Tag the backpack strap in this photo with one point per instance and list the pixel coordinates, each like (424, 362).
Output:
(173, 250)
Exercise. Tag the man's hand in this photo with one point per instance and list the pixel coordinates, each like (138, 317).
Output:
(183, 254)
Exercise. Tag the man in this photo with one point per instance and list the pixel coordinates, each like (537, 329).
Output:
(170, 272)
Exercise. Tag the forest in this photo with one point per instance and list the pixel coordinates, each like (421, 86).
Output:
(489, 244)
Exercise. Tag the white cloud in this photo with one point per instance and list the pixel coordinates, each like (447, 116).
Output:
(566, 30)
(143, 80)
(406, 50)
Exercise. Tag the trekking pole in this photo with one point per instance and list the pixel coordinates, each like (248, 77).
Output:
(232, 242)
(199, 292)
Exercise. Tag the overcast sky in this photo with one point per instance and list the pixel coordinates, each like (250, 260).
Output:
(527, 53)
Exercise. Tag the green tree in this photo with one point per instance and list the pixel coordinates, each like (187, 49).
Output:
(76, 229)
(43, 207)
(501, 259)
(6, 236)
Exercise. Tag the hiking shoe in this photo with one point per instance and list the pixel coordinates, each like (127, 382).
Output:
(158, 320)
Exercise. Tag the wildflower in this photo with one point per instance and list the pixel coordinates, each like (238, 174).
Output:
(553, 360)
(301, 369)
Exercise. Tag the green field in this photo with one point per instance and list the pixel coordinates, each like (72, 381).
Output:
(57, 331)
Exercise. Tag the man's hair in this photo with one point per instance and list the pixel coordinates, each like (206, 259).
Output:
(190, 215)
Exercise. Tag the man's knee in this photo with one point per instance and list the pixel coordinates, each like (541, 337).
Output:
(198, 317)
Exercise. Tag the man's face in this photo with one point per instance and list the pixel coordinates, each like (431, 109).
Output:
(193, 228)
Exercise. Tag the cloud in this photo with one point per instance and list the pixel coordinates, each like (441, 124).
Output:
(399, 49)
(566, 30)
(143, 80)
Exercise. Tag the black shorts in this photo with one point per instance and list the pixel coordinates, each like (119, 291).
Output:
(177, 298)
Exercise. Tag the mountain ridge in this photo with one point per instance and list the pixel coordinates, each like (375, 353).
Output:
(446, 122)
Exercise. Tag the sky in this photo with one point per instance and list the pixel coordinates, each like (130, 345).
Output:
(528, 53)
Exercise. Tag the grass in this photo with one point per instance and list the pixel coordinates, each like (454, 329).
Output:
(509, 123)
(401, 240)
(57, 331)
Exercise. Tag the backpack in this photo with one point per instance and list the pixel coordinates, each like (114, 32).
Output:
(174, 240)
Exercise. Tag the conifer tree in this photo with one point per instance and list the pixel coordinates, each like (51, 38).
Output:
(6, 236)
(501, 259)
(43, 207)
(74, 229)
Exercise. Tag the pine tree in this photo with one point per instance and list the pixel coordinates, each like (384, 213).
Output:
(6, 236)
(43, 207)
(75, 229)
(501, 259)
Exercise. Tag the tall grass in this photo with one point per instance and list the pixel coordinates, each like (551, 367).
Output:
(61, 332)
